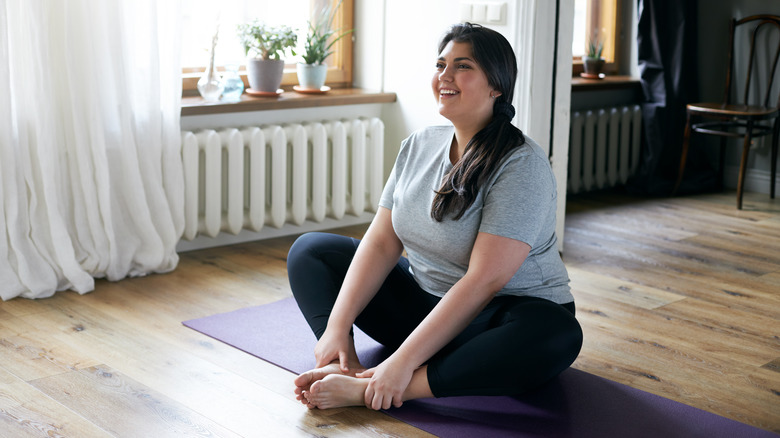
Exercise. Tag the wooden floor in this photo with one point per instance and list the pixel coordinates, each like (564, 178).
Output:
(679, 297)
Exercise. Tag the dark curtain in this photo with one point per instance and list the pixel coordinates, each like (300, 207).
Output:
(667, 43)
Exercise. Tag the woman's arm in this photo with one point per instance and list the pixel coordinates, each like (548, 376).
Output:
(377, 254)
(493, 262)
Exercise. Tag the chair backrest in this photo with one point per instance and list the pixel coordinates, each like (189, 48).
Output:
(760, 35)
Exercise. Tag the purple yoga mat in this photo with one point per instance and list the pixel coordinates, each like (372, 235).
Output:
(576, 404)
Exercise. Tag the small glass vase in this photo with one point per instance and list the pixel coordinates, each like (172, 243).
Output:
(211, 85)
(234, 86)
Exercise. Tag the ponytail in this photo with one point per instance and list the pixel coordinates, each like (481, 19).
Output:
(489, 146)
(481, 157)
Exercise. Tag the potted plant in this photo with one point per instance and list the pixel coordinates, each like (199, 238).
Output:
(592, 61)
(268, 44)
(318, 46)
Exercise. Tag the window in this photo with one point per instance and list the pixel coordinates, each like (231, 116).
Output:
(596, 20)
(201, 18)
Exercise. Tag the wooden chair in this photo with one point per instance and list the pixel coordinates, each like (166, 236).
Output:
(739, 118)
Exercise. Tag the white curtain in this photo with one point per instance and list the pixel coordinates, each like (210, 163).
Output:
(91, 182)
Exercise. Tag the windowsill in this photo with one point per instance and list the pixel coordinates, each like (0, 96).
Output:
(610, 82)
(195, 105)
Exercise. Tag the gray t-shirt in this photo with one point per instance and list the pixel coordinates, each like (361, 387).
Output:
(519, 202)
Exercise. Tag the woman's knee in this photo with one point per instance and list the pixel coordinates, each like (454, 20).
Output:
(304, 245)
(565, 334)
(303, 254)
(309, 247)
(317, 252)
(552, 328)
(567, 342)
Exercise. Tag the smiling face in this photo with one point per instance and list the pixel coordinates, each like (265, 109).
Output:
(461, 87)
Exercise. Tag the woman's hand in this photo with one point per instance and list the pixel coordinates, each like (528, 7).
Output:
(376, 255)
(332, 346)
(387, 384)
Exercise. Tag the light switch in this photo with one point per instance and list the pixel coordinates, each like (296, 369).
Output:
(495, 12)
(479, 12)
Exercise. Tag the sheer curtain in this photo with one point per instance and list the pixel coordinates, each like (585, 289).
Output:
(91, 182)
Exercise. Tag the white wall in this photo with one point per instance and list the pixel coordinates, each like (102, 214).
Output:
(396, 45)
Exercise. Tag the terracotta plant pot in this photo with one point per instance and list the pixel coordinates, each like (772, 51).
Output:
(593, 66)
(264, 74)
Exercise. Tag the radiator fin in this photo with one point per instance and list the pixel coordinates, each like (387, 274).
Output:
(248, 178)
(604, 147)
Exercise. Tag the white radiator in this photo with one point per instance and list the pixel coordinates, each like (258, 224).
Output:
(604, 147)
(274, 175)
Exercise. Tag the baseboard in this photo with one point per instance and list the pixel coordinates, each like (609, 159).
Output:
(756, 180)
(222, 239)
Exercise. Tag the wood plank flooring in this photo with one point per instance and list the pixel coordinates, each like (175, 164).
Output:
(677, 296)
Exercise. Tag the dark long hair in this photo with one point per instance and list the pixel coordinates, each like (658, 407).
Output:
(490, 145)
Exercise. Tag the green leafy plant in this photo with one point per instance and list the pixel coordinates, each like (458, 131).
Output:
(266, 42)
(320, 37)
(594, 48)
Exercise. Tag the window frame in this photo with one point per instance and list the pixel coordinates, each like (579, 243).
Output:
(611, 16)
(340, 63)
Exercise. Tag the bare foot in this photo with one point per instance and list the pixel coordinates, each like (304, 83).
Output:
(304, 381)
(336, 391)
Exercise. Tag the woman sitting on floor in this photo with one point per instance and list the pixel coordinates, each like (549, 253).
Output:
(482, 304)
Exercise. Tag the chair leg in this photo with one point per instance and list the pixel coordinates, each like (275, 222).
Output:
(684, 154)
(743, 164)
(775, 136)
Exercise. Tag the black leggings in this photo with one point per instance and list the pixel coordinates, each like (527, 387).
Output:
(513, 345)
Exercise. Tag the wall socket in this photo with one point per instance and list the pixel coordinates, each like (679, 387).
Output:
(483, 12)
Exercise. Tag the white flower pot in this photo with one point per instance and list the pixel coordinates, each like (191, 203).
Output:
(312, 76)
